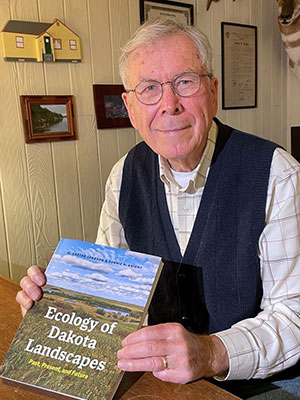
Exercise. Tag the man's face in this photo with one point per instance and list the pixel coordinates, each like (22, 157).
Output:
(175, 127)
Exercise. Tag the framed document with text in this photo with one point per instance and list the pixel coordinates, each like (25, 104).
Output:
(152, 9)
(239, 66)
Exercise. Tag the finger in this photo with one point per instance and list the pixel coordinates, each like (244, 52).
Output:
(23, 311)
(25, 301)
(37, 275)
(142, 364)
(146, 349)
(31, 289)
(156, 332)
(170, 375)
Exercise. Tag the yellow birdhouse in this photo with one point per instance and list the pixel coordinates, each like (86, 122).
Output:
(40, 41)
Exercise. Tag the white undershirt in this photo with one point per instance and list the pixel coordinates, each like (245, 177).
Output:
(183, 178)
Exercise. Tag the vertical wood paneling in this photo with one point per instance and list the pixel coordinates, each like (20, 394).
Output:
(218, 16)
(77, 81)
(67, 190)
(43, 201)
(89, 177)
(4, 265)
(134, 15)
(245, 18)
(119, 15)
(4, 260)
(53, 190)
(256, 20)
(293, 105)
(100, 41)
(266, 70)
(244, 7)
(232, 15)
(284, 140)
(108, 151)
(231, 11)
(86, 147)
(40, 162)
(13, 158)
(81, 73)
(204, 19)
(101, 64)
(276, 101)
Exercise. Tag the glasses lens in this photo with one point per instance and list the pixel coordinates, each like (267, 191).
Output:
(187, 84)
(149, 92)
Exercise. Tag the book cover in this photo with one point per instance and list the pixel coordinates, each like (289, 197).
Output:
(94, 297)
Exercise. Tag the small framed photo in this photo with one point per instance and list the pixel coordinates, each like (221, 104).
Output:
(239, 66)
(109, 107)
(152, 9)
(295, 142)
(48, 118)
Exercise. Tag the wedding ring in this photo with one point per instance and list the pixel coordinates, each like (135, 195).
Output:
(165, 361)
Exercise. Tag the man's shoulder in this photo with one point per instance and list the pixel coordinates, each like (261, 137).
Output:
(140, 156)
(237, 134)
(283, 165)
(118, 167)
(140, 149)
(250, 138)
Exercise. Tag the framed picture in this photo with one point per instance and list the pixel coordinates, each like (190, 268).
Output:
(48, 118)
(109, 107)
(152, 9)
(239, 66)
(295, 142)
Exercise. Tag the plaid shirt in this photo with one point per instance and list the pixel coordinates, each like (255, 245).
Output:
(270, 342)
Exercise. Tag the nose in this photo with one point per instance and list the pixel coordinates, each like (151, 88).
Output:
(287, 11)
(170, 102)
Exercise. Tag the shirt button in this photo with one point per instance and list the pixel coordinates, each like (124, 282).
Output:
(185, 209)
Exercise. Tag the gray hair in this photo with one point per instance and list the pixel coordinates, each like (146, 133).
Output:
(154, 30)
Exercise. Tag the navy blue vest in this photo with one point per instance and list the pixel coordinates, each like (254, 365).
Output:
(217, 281)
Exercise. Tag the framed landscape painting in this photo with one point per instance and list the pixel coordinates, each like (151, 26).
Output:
(110, 109)
(48, 118)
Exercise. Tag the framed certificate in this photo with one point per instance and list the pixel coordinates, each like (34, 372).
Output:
(152, 9)
(239, 66)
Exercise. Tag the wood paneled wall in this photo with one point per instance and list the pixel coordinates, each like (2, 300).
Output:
(54, 190)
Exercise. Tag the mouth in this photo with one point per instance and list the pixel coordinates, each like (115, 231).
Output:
(173, 129)
(285, 21)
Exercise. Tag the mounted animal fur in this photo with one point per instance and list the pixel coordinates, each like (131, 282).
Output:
(289, 24)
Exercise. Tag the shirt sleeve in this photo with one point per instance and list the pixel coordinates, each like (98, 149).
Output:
(261, 346)
(110, 231)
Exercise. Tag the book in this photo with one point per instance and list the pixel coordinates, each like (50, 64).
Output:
(94, 297)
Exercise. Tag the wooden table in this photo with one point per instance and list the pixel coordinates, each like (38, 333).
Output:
(133, 386)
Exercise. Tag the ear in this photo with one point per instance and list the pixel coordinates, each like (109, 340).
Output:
(129, 106)
(214, 93)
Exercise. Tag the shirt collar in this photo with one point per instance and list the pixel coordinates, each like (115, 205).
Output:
(199, 176)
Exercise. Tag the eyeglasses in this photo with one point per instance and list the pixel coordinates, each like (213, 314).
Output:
(186, 84)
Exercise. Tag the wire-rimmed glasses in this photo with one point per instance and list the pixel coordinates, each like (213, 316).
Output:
(186, 84)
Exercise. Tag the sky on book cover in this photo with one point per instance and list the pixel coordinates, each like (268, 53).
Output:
(101, 271)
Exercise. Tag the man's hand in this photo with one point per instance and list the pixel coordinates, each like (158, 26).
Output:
(187, 356)
(31, 285)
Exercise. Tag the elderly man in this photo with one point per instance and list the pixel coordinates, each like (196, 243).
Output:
(220, 206)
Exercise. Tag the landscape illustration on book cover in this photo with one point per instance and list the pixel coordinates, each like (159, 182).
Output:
(94, 297)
